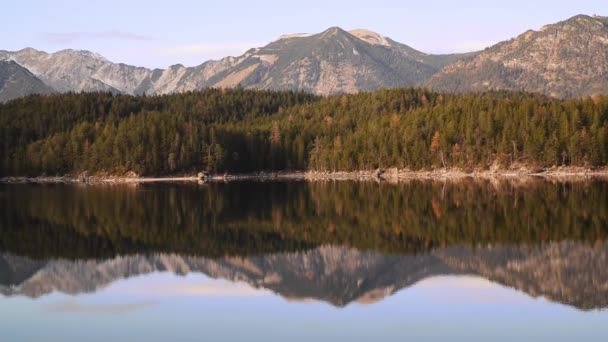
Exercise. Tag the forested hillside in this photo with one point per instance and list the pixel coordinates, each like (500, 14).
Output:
(243, 130)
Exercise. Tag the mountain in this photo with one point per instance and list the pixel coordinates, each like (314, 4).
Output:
(567, 59)
(16, 81)
(334, 61)
(331, 62)
(575, 274)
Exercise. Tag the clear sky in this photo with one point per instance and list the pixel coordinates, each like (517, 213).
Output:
(161, 33)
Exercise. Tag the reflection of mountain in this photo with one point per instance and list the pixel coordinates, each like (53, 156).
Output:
(567, 272)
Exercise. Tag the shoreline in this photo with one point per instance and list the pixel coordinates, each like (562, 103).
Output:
(390, 176)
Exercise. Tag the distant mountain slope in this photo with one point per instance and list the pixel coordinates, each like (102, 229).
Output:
(334, 61)
(567, 59)
(16, 81)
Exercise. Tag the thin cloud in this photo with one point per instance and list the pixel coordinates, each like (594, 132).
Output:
(114, 308)
(463, 47)
(205, 49)
(70, 37)
(214, 288)
(472, 46)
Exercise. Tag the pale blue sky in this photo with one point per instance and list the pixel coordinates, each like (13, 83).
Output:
(166, 307)
(161, 33)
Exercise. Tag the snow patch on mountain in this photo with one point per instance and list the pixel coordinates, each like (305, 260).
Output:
(295, 35)
(370, 37)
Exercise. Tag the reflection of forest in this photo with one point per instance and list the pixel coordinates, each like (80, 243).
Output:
(253, 218)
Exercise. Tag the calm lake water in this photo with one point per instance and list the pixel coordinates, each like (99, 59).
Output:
(254, 261)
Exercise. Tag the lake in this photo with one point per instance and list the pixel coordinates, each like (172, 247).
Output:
(305, 261)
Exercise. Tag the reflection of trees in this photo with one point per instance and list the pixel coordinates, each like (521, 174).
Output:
(254, 218)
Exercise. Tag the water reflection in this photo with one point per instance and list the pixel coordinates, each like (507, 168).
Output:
(339, 243)
(566, 272)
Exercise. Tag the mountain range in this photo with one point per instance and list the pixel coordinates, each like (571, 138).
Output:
(576, 274)
(567, 59)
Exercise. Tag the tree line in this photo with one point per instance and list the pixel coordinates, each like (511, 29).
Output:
(239, 130)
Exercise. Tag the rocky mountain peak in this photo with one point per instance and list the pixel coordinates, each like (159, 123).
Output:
(31, 51)
(580, 22)
(332, 31)
(82, 54)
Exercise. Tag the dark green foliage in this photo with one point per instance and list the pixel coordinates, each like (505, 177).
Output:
(243, 131)
(150, 135)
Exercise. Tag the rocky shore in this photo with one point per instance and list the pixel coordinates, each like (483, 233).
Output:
(388, 175)
(395, 175)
